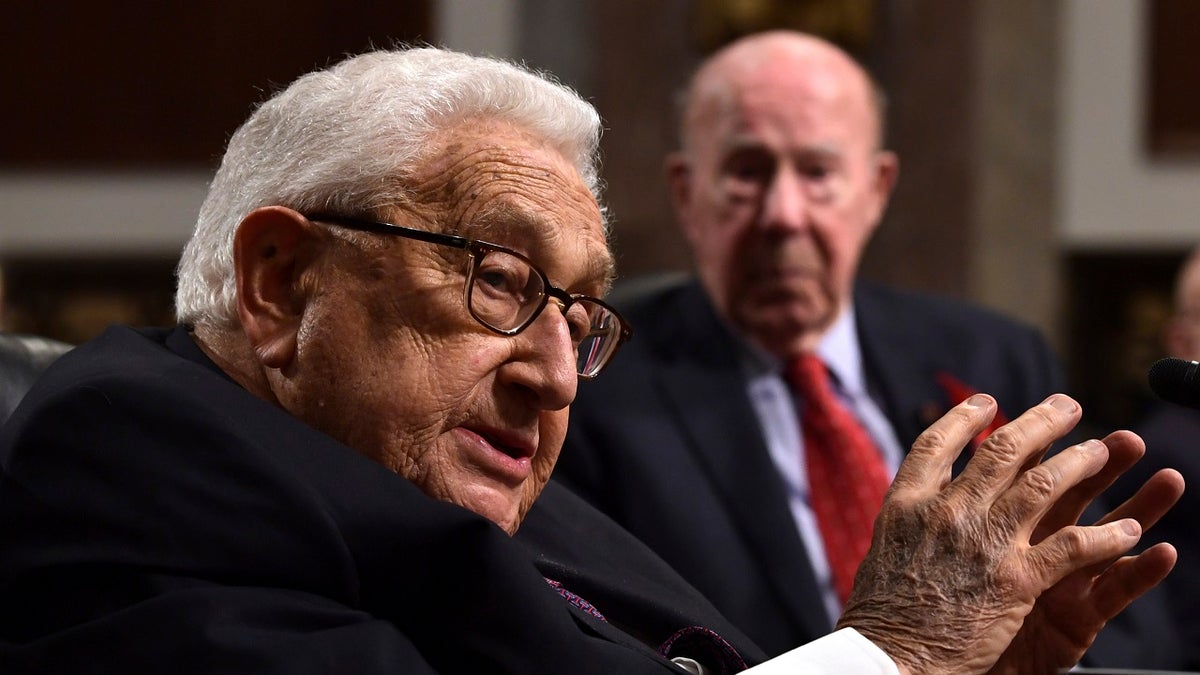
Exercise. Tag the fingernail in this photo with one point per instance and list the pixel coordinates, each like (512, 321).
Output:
(978, 401)
(1131, 527)
(1093, 447)
(1062, 403)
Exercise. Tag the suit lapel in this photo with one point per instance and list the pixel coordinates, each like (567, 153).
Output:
(706, 391)
(896, 367)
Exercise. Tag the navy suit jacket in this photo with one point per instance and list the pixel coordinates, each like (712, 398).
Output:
(1172, 435)
(667, 443)
(156, 517)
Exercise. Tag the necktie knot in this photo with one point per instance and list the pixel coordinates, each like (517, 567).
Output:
(808, 375)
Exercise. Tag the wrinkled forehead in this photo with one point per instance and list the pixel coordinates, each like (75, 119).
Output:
(493, 180)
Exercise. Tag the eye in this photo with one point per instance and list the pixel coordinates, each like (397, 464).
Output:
(504, 275)
(750, 167)
(816, 171)
(496, 279)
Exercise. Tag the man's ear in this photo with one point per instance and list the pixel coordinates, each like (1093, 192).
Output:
(679, 186)
(887, 172)
(272, 249)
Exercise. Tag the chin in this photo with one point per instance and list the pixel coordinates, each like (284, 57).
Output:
(508, 523)
(503, 510)
(522, 511)
(507, 519)
(789, 318)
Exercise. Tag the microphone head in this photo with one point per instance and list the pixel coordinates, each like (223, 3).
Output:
(1176, 381)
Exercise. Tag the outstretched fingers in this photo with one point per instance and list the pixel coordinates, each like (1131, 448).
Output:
(1156, 496)
(1048, 487)
(1078, 547)
(926, 469)
(1129, 577)
(1015, 576)
(1013, 451)
(1124, 450)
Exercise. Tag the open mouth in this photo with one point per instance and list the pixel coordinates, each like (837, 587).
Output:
(504, 456)
(514, 451)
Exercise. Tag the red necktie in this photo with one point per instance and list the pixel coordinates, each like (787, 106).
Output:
(846, 474)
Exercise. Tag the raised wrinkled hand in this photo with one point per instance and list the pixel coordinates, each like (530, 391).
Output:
(990, 572)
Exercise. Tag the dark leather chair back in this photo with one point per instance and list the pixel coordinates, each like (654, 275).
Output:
(22, 359)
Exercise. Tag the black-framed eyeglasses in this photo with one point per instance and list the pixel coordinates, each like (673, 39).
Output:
(505, 292)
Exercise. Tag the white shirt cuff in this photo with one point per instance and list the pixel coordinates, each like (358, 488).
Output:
(841, 652)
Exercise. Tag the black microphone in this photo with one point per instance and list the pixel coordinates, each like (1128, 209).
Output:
(1176, 381)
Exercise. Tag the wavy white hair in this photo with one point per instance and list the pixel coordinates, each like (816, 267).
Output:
(338, 140)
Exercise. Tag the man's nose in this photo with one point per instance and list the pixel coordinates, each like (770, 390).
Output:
(544, 362)
(786, 202)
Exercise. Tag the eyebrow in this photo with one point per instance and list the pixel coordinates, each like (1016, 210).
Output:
(606, 272)
(514, 221)
(741, 142)
(599, 270)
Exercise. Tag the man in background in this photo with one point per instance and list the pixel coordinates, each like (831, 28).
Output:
(1171, 433)
(749, 431)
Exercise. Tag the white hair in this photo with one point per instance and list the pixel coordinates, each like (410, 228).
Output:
(339, 141)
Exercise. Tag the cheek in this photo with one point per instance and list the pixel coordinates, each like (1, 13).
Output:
(401, 404)
(552, 430)
(721, 207)
(718, 235)
(439, 382)
(845, 238)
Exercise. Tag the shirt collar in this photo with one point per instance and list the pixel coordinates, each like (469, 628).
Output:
(838, 350)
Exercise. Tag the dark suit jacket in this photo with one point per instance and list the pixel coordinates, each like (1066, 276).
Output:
(156, 517)
(1172, 435)
(667, 443)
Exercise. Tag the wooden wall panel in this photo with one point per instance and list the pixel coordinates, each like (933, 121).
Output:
(1173, 79)
(100, 84)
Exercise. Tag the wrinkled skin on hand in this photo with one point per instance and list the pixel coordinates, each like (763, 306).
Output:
(990, 572)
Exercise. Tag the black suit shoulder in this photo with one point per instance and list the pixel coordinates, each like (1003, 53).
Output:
(147, 495)
(956, 322)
